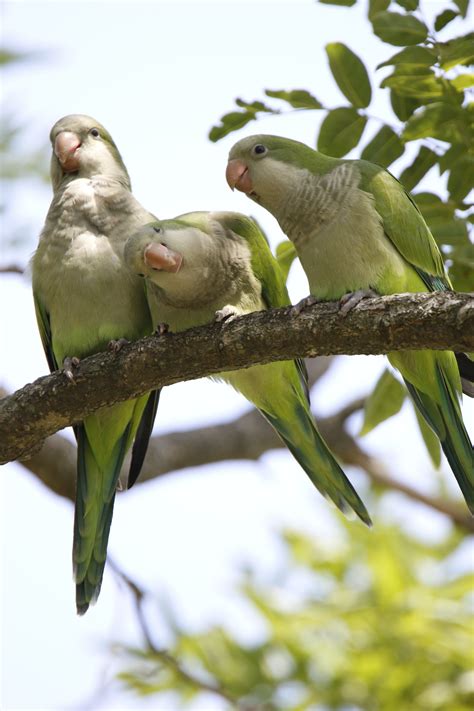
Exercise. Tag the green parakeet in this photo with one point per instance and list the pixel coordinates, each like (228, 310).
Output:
(85, 297)
(355, 229)
(206, 265)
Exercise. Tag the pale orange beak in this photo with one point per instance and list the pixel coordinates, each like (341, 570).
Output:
(158, 256)
(65, 147)
(238, 176)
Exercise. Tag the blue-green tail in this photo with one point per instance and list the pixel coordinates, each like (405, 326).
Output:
(314, 456)
(445, 420)
(95, 497)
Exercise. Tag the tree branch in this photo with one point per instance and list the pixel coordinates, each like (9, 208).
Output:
(11, 269)
(247, 437)
(444, 320)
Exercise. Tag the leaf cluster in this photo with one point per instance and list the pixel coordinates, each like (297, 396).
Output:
(375, 629)
(427, 84)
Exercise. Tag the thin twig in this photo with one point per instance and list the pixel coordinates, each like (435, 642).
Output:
(162, 655)
(12, 269)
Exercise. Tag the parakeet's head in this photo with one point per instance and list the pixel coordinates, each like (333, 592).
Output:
(148, 254)
(190, 258)
(82, 147)
(266, 167)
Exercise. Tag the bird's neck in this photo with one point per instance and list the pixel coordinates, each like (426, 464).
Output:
(311, 201)
(118, 179)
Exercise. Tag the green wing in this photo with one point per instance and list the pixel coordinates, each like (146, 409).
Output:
(264, 264)
(405, 226)
(267, 270)
(44, 326)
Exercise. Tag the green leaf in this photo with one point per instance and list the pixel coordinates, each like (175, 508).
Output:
(253, 106)
(285, 254)
(230, 122)
(445, 18)
(298, 98)
(417, 56)
(384, 148)
(459, 50)
(400, 30)
(350, 74)
(346, 3)
(463, 6)
(463, 81)
(430, 439)
(438, 120)
(422, 163)
(441, 219)
(340, 132)
(461, 178)
(376, 6)
(461, 272)
(408, 5)
(402, 106)
(238, 119)
(451, 157)
(385, 401)
(415, 82)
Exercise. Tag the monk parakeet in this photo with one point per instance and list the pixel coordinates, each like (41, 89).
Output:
(85, 297)
(206, 265)
(355, 229)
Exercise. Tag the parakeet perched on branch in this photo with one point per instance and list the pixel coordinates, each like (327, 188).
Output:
(356, 230)
(86, 298)
(215, 265)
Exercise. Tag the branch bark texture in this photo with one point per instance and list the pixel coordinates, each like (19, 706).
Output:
(379, 325)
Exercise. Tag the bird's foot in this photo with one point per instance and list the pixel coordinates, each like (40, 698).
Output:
(304, 304)
(68, 367)
(227, 313)
(348, 301)
(116, 345)
(161, 329)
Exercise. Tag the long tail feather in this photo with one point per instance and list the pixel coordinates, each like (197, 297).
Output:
(95, 497)
(446, 421)
(142, 437)
(311, 452)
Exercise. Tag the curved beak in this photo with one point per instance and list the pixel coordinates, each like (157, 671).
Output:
(162, 258)
(65, 147)
(238, 176)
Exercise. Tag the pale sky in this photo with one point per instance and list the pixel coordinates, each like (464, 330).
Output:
(158, 76)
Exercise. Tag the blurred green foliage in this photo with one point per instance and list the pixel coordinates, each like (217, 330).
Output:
(17, 163)
(375, 623)
(13, 163)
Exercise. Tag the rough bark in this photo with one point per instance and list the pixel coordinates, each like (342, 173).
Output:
(378, 325)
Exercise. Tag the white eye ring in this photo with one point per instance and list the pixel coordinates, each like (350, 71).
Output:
(259, 149)
(95, 132)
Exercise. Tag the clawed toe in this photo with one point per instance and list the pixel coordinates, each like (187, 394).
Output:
(304, 304)
(116, 345)
(348, 301)
(161, 329)
(225, 314)
(69, 364)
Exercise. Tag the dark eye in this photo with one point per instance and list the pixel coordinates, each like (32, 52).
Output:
(141, 275)
(157, 229)
(259, 149)
(95, 132)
